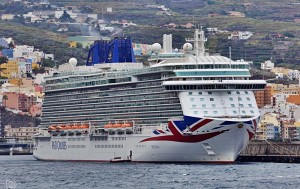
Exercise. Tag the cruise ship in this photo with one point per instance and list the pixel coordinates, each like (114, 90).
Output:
(183, 107)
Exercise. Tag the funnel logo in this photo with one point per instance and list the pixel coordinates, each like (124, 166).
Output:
(10, 184)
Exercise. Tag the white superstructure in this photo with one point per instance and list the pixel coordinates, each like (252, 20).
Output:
(188, 107)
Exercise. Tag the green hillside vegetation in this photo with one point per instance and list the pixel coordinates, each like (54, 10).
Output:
(44, 40)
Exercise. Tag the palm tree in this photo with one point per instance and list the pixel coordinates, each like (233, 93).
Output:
(4, 99)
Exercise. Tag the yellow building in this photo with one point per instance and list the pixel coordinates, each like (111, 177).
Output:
(297, 124)
(15, 81)
(9, 69)
(73, 44)
(35, 65)
(281, 70)
(267, 119)
(285, 89)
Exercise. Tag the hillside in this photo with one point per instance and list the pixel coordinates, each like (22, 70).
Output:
(17, 120)
(44, 40)
(262, 17)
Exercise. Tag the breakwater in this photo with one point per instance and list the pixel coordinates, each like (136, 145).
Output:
(267, 151)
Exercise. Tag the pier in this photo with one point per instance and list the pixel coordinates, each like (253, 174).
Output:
(268, 151)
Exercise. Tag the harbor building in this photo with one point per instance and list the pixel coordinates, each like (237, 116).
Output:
(23, 133)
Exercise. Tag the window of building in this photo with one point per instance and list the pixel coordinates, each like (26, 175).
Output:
(215, 112)
(190, 93)
(235, 112)
(195, 112)
(203, 106)
(213, 105)
(246, 92)
(211, 99)
(238, 92)
(200, 93)
(228, 92)
(205, 112)
(232, 105)
(231, 99)
(192, 99)
(248, 98)
(193, 106)
(240, 99)
(251, 111)
(201, 99)
(241, 105)
(250, 105)
(209, 93)
(243, 112)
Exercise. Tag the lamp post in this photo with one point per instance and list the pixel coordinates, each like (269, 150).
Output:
(2, 108)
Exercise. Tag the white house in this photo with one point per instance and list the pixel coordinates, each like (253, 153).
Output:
(22, 51)
(293, 74)
(267, 65)
(7, 16)
(240, 35)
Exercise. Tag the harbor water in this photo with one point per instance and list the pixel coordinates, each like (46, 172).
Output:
(26, 172)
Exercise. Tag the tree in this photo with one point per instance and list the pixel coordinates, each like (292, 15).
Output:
(66, 17)
(4, 99)
(11, 45)
(3, 59)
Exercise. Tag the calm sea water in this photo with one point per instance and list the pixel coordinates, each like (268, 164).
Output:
(25, 172)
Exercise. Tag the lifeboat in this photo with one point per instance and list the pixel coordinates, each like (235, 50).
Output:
(109, 125)
(85, 126)
(125, 125)
(117, 125)
(52, 127)
(67, 127)
(129, 125)
(62, 127)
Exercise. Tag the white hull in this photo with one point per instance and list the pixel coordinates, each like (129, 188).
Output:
(222, 145)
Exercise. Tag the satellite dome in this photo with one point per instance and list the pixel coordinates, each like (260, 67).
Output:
(187, 47)
(176, 50)
(73, 61)
(156, 47)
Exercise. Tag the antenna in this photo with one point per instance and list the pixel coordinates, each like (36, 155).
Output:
(102, 11)
(194, 22)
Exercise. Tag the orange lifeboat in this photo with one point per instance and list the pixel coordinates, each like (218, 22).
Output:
(110, 125)
(125, 125)
(52, 127)
(129, 125)
(67, 127)
(117, 125)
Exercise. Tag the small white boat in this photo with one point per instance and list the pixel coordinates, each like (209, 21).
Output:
(119, 160)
